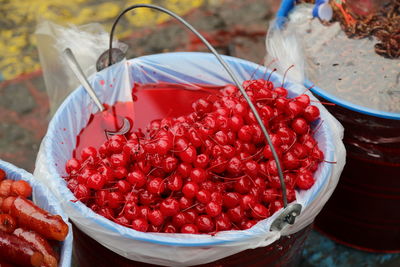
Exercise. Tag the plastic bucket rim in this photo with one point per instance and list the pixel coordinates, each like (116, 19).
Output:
(281, 18)
(354, 107)
(131, 233)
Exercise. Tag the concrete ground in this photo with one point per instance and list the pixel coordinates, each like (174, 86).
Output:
(235, 28)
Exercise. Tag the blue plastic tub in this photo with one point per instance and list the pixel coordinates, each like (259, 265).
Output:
(284, 10)
(42, 196)
(360, 212)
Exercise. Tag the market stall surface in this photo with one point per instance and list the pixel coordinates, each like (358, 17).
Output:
(323, 252)
(238, 31)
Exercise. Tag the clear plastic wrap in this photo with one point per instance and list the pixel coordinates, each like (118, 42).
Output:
(45, 199)
(87, 42)
(175, 249)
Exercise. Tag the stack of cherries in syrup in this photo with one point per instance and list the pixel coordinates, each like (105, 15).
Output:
(209, 171)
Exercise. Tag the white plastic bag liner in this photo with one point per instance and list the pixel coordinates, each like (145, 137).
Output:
(175, 249)
(45, 199)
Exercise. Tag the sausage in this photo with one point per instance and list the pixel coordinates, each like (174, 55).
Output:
(7, 223)
(5, 188)
(21, 188)
(40, 244)
(6, 204)
(32, 217)
(18, 251)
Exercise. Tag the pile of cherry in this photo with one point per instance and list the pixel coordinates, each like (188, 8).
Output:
(27, 232)
(205, 172)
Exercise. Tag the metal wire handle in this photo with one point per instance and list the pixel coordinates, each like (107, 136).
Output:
(226, 67)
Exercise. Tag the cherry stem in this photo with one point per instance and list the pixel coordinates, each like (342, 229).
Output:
(79, 199)
(294, 141)
(265, 72)
(284, 75)
(272, 61)
(255, 154)
(188, 208)
(215, 141)
(150, 141)
(126, 202)
(154, 134)
(110, 188)
(270, 74)
(216, 165)
(83, 165)
(115, 220)
(177, 151)
(155, 168)
(235, 226)
(264, 99)
(163, 181)
(161, 227)
(309, 88)
(324, 103)
(251, 179)
(258, 214)
(229, 178)
(254, 72)
(250, 83)
(263, 173)
(194, 129)
(318, 126)
(228, 182)
(112, 182)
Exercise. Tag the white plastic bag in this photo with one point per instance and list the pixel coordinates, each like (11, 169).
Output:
(175, 249)
(87, 42)
(45, 199)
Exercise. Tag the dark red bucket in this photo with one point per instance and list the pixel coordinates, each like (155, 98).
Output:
(285, 252)
(363, 212)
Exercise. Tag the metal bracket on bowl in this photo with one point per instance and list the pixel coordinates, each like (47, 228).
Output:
(294, 209)
(288, 216)
(103, 60)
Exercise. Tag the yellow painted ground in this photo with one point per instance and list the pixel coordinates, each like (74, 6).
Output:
(18, 19)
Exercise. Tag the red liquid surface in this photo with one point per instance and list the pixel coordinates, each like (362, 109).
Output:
(151, 101)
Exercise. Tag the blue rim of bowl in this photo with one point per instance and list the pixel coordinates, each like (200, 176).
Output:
(67, 244)
(281, 18)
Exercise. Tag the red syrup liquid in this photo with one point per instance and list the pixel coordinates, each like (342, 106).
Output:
(151, 101)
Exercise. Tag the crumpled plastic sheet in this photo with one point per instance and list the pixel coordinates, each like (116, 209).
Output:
(176, 249)
(44, 198)
(87, 42)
